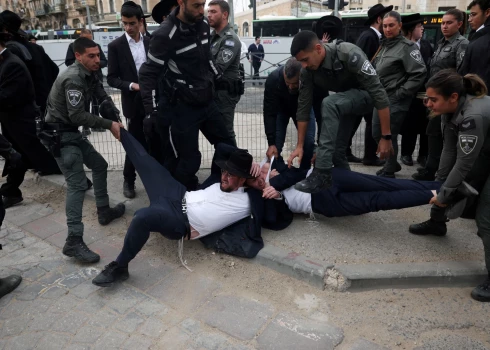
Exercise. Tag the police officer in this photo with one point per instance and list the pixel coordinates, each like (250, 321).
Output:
(341, 67)
(402, 71)
(465, 112)
(181, 64)
(65, 113)
(449, 54)
(225, 48)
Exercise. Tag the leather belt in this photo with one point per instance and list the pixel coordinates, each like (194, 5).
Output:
(186, 218)
(60, 127)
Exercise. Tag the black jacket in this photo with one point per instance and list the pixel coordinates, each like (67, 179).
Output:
(277, 99)
(122, 72)
(70, 59)
(369, 42)
(477, 56)
(257, 53)
(179, 63)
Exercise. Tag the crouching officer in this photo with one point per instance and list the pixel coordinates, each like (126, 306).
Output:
(465, 156)
(225, 48)
(64, 114)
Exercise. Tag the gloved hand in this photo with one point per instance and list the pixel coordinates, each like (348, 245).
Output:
(108, 110)
(150, 124)
(14, 159)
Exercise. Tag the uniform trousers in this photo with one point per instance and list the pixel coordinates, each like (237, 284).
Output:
(370, 145)
(75, 152)
(415, 124)
(164, 215)
(226, 103)
(354, 193)
(435, 142)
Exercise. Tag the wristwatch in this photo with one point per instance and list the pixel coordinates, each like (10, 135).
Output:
(386, 137)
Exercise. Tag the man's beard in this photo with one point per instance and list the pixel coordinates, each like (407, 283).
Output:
(226, 190)
(293, 92)
(190, 18)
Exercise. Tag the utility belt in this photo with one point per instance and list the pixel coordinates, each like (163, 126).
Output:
(50, 135)
(234, 87)
(179, 89)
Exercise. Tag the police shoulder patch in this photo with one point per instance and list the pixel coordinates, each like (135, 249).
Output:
(226, 55)
(467, 125)
(461, 55)
(230, 43)
(355, 59)
(415, 54)
(367, 68)
(74, 97)
(467, 143)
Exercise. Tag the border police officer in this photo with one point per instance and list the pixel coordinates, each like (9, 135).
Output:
(65, 113)
(225, 48)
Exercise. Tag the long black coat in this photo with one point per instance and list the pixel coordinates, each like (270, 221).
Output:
(369, 42)
(18, 111)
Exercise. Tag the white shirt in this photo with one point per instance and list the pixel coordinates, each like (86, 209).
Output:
(482, 26)
(377, 32)
(297, 201)
(3, 51)
(211, 209)
(418, 43)
(137, 51)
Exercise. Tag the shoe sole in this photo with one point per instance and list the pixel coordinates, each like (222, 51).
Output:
(72, 255)
(427, 234)
(109, 284)
(480, 298)
(13, 204)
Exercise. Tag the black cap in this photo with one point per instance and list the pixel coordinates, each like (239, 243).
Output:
(162, 9)
(412, 20)
(376, 11)
(12, 22)
(239, 164)
(328, 24)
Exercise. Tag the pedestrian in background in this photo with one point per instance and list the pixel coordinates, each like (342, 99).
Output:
(255, 55)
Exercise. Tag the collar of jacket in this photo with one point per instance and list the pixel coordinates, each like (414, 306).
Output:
(222, 33)
(461, 104)
(83, 71)
(392, 42)
(451, 39)
(184, 28)
(330, 51)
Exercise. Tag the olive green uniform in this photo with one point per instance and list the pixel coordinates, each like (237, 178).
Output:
(66, 105)
(226, 48)
(402, 72)
(347, 71)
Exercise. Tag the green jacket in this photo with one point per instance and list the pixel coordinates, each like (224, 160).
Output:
(449, 53)
(345, 67)
(226, 48)
(71, 92)
(401, 69)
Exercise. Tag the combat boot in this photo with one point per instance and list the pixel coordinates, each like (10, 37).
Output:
(318, 180)
(11, 201)
(107, 214)
(8, 284)
(424, 175)
(482, 292)
(128, 190)
(76, 248)
(111, 273)
(429, 227)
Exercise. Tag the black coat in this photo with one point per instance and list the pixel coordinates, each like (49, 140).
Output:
(369, 42)
(122, 72)
(256, 53)
(70, 59)
(18, 111)
(477, 56)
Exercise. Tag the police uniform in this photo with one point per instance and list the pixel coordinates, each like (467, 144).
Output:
(180, 64)
(225, 48)
(402, 72)
(347, 71)
(449, 54)
(66, 106)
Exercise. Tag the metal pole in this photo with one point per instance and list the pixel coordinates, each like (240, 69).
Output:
(403, 6)
(88, 17)
(231, 17)
(336, 8)
(254, 10)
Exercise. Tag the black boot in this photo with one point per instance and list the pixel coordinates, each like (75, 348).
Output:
(424, 175)
(482, 291)
(11, 201)
(8, 284)
(373, 162)
(407, 160)
(353, 159)
(319, 180)
(429, 227)
(111, 273)
(128, 190)
(422, 160)
(384, 173)
(381, 171)
(107, 214)
(76, 248)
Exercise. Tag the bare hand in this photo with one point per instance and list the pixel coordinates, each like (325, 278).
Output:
(135, 87)
(385, 149)
(272, 151)
(298, 152)
(255, 169)
(116, 130)
(270, 193)
(325, 38)
(436, 202)
(250, 60)
(273, 173)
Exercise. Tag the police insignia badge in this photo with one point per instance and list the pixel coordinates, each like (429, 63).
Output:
(461, 55)
(74, 97)
(226, 55)
(467, 143)
(230, 43)
(367, 68)
(415, 54)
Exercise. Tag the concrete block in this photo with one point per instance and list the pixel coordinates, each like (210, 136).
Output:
(25, 341)
(129, 322)
(363, 344)
(151, 307)
(58, 239)
(125, 299)
(452, 341)
(104, 318)
(137, 342)
(174, 339)
(210, 341)
(44, 227)
(153, 328)
(111, 340)
(70, 323)
(88, 334)
(53, 341)
(145, 272)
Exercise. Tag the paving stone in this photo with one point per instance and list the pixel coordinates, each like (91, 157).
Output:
(4, 232)
(38, 306)
(94, 304)
(54, 292)
(174, 339)
(41, 322)
(34, 273)
(51, 278)
(53, 341)
(14, 326)
(151, 307)
(137, 342)
(145, 272)
(153, 327)
(129, 322)
(28, 213)
(88, 334)
(58, 239)
(210, 341)
(13, 309)
(10, 247)
(125, 299)
(3, 344)
(16, 236)
(4, 301)
(106, 251)
(363, 344)
(25, 341)
(111, 340)
(292, 332)
(43, 227)
(236, 347)
(191, 326)
(50, 265)
(31, 291)
(64, 304)
(72, 280)
(104, 318)
(78, 346)
(91, 236)
(84, 289)
(452, 341)
(27, 241)
(238, 317)
(70, 323)
(184, 294)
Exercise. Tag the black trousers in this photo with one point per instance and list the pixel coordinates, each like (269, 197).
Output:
(435, 141)
(415, 124)
(256, 67)
(186, 122)
(135, 128)
(370, 145)
(164, 215)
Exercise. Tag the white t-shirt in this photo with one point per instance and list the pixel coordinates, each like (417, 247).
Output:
(297, 201)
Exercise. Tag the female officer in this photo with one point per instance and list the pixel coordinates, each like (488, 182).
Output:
(449, 54)
(465, 113)
(402, 72)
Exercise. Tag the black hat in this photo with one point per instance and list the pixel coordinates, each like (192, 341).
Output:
(412, 20)
(239, 164)
(328, 24)
(162, 9)
(376, 11)
(135, 6)
(5, 36)
(11, 21)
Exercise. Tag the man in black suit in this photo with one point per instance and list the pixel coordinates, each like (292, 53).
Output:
(257, 51)
(126, 55)
(369, 41)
